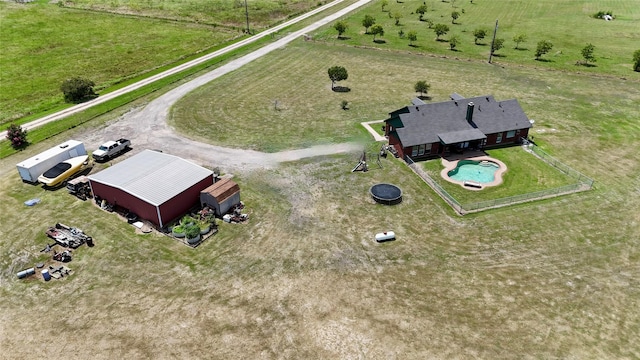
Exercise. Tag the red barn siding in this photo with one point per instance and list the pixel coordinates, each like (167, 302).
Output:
(180, 204)
(122, 198)
(170, 210)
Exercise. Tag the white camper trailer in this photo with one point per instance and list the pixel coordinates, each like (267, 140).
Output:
(35, 166)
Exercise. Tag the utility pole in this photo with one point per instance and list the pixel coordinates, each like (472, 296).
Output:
(246, 11)
(495, 30)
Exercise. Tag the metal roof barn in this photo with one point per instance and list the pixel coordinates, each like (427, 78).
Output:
(155, 186)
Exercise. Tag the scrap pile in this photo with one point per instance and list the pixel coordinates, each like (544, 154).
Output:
(235, 214)
(80, 187)
(68, 236)
(58, 272)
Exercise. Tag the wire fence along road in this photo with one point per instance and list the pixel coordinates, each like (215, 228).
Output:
(279, 43)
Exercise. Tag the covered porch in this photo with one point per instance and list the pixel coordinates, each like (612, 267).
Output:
(459, 141)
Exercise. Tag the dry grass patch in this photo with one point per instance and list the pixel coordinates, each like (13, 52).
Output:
(304, 278)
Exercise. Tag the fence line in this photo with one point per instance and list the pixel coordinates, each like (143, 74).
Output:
(583, 183)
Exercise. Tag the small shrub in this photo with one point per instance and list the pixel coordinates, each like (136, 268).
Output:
(192, 231)
(636, 60)
(600, 14)
(18, 136)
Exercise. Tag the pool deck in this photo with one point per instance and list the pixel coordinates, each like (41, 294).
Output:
(451, 161)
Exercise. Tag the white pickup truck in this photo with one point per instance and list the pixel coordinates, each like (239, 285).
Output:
(111, 149)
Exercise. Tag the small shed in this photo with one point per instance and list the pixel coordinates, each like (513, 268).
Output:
(221, 196)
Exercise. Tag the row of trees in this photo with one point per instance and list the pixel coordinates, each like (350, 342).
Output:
(542, 48)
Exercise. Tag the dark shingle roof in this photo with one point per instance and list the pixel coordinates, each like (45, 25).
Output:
(461, 136)
(424, 124)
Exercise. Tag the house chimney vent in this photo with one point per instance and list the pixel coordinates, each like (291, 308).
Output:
(470, 112)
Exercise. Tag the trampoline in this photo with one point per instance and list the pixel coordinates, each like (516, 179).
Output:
(386, 194)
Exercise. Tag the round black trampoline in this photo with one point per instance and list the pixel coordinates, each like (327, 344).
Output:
(386, 194)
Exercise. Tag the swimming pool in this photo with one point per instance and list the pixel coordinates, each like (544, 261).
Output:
(482, 172)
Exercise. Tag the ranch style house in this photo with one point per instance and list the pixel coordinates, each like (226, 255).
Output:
(425, 130)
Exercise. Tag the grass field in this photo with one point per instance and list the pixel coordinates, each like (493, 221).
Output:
(239, 111)
(304, 278)
(262, 13)
(113, 49)
(568, 25)
(109, 51)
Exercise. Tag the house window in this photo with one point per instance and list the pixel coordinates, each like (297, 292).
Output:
(420, 150)
(499, 138)
(511, 134)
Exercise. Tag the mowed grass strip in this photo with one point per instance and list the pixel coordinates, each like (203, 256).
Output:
(567, 24)
(44, 44)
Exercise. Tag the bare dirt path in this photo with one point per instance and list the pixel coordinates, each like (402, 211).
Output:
(147, 127)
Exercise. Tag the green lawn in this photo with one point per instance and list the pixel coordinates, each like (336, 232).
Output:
(525, 174)
(567, 24)
(238, 110)
(44, 44)
(262, 13)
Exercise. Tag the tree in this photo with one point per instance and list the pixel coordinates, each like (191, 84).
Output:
(384, 4)
(454, 16)
(520, 38)
(497, 45)
(337, 73)
(544, 46)
(453, 42)
(422, 87)
(77, 89)
(636, 60)
(367, 22)
(18, 136)
(440, 29)
(422, 9)
(377, 29)
(429, 23)
(479, 34)
(412, 36)
(587, 53)
(397, 16)
(340, 27)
